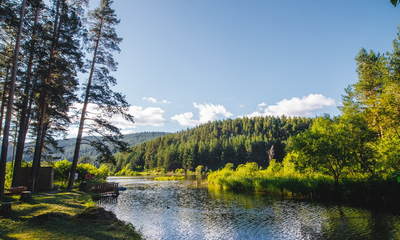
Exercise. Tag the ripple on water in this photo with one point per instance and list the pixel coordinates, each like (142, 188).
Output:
(172, 210)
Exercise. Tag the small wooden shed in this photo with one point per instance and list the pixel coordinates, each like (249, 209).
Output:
(46, 178)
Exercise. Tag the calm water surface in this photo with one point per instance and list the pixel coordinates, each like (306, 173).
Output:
(180, 210)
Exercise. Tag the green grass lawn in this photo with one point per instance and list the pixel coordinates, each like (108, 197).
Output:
(59, 216)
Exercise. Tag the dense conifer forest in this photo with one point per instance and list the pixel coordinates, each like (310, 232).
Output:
(216, 143)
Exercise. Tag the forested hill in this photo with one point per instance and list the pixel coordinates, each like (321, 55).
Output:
(87, 151)
(215, 144)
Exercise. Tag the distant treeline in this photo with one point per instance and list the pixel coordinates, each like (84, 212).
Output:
(217, 143)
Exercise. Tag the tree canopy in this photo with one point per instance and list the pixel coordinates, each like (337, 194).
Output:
(217, 143)
(44, 46)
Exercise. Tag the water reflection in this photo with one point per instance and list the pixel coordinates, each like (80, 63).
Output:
(178, 210)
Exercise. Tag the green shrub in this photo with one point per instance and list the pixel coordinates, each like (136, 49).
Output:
(126, 171)
(199, 170)
(283, 179)
(9, 174)
(61, 170)
(85, 171)
(169, 178)
(179, 171)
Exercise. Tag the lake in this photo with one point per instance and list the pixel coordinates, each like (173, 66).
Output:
(174, 210)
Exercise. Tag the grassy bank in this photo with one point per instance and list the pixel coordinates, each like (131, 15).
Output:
(377, 193)
(169, 178)
(127, 172)
(69, 215)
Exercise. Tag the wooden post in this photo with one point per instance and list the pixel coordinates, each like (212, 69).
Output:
(26, 196)
(5, 209)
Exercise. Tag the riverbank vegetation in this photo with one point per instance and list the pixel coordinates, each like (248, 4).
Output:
(353, 157)
(169, 178)
(86, 172)
(283, 180)
(67, 215)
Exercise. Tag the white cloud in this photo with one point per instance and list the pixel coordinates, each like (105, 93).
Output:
(149, 99)
(207, 113)
(304, 107)
(185, 119)
(211, 112)
(149, 116)
(262, 105)
(155, 100)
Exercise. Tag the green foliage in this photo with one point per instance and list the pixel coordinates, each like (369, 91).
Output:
(126, 171)
(388, 152)
(199, 170)
(353, 157)
(169, 178)
(214, 144)
(86, 171)
(179, 171)
(61, 170)
(332, 147)
(103, 171)
(371, 114)
(9, 174)
(282, 179)
(229, 166)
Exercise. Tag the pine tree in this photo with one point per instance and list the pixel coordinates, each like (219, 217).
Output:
(59, 63)
(10, 100)
(217, 143)
(28, 92)
(104, 41)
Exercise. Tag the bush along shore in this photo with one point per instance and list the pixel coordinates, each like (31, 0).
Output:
(62, 215)
(282, 180)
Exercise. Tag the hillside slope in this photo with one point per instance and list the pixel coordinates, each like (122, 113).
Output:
(87, 151)
(132, 139)
(217, 143)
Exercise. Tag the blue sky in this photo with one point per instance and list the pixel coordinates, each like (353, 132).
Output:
(186, 62)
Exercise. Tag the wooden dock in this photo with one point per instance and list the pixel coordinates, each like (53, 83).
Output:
(105, 189)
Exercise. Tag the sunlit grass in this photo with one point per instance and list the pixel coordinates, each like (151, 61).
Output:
(169, 178)
(24, 222)
(281, 179)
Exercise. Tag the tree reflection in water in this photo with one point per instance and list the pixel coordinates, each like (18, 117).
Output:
(177, 210)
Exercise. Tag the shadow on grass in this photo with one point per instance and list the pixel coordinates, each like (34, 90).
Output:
(5, 237)
(52, 216)
(26, 211)
(71, 200)
(73, 228)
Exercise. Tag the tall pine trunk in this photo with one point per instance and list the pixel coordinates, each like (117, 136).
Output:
(26, 104)
(83, 114)
(14, 146)
(42, 124)
(10, 101)
(4, 99)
